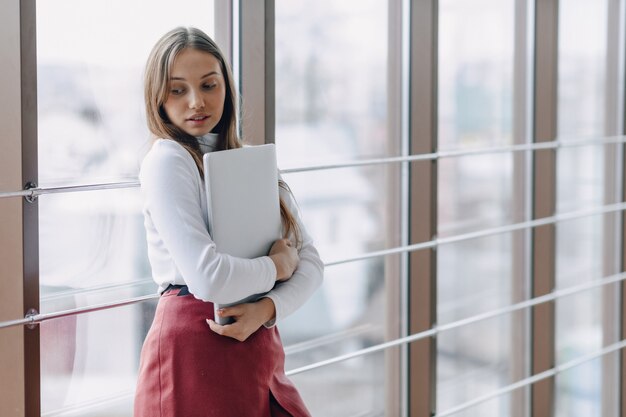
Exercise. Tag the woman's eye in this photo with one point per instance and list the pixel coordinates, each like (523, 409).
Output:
(176, 91)
(209, 86)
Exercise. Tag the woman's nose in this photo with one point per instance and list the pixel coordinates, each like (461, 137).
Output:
(195, 100)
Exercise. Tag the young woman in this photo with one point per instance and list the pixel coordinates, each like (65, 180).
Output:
(191, 366)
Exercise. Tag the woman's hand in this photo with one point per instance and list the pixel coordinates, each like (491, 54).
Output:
(285, 257)
(248, 318)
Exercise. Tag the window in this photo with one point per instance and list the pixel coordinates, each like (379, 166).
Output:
(92, 130)
(476, 192)
(332, 107)
(354, 86)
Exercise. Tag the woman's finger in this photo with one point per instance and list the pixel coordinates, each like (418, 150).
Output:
(233, 311)
(217, 328)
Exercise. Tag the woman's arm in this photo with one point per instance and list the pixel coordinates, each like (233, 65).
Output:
(170, 184)
(284, 299)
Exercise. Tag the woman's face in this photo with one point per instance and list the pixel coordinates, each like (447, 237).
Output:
(197, 90)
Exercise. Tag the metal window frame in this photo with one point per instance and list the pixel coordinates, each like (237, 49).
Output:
(256, 31)
(396, 266)
(522, 166)
(544, 203)
(30, 209)
(424, 21)
(12, 360)
(20, 360)
(612, 301)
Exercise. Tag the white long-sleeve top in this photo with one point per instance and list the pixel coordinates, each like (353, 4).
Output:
(182, 252)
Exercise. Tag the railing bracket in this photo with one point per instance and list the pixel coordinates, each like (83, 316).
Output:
(30, 315)
(30, 185)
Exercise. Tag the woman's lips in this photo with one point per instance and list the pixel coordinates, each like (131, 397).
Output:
(197, 120)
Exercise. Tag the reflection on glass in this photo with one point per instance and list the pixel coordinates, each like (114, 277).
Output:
(90, 60)
(82, 372)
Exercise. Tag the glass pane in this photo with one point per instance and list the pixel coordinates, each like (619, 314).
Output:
(331, 105)
(475, 99)
(582, 244)
(475, 73)
(581, 319)
(581, 175)
(579, 391)
(90, 62)
(476, 360)
(345, 210)
(91, 127)
(582, 68)
(346, 218)
(475, 276)
(498, 406)
(355, 387)
(474, 193)
(89, 244)
(82, 372)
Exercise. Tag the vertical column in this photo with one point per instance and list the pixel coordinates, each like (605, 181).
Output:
(224, 27)
(258, 120)
(522, 70)
(395, 221)
(611, 235)
(423, 204)
(30, 210)
(19, 362)
(544, 202)
(12, 394)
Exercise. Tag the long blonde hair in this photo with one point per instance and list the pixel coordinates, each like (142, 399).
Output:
(156, 90)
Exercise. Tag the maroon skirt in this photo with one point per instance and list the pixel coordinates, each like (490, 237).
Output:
(187, 370)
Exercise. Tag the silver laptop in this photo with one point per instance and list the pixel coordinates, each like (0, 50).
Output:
(243, 204)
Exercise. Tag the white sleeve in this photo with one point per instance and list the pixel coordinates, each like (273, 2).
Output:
(290, 295)
(170, 184)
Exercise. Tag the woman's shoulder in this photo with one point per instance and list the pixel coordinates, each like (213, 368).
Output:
(166, 155)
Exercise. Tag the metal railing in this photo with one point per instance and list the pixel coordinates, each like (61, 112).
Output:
(557, 144)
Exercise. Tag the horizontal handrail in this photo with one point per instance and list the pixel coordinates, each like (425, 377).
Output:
(460, 153)
(535, 378)
(33, 319)
(329, 339)
(463, 322)
(557, 144)
(119, 286)
(605, 209)
(409, 248)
